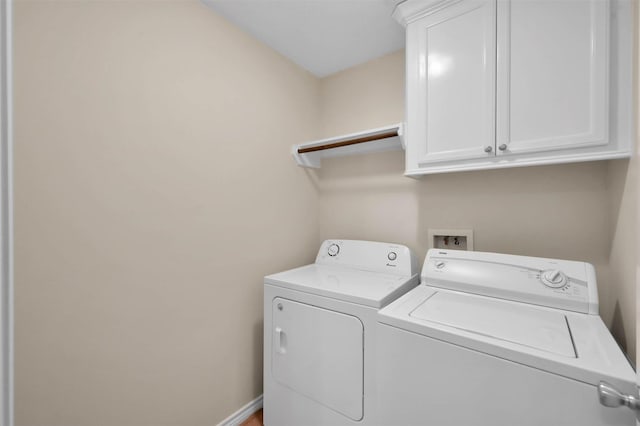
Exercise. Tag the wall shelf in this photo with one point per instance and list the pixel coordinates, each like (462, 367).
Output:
(388, 138)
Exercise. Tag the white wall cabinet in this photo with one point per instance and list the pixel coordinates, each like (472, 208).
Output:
(456, 71)
(504, 83)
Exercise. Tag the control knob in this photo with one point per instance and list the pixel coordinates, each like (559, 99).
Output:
(553, 278)
(333, 249)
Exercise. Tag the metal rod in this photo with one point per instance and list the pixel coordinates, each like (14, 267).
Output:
(349, 142)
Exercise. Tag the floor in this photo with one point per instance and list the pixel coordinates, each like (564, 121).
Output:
(254, 420)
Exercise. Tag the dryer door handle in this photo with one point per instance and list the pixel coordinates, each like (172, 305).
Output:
(612, 397)
(281, 341)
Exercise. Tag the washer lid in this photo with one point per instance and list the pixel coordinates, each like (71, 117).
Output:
(598, 356)
(513, 322)
(368, 288)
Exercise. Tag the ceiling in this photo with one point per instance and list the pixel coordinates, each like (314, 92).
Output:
(321, 36)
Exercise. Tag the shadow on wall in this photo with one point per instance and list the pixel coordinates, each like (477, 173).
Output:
(617, 327)
(622, 250)
(258, 350)
(617, 177)
(373, 173)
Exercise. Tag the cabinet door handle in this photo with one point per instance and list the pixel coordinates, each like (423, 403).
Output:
(488, 149)
(502, 147)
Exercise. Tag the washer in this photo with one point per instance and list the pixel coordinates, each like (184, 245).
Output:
(493, 339)
(319, 332)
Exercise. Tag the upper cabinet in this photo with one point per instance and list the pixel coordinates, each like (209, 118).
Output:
(512, 83)
(553, 58)
(451, 76)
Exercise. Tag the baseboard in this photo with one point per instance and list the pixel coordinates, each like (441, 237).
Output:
(243, 413)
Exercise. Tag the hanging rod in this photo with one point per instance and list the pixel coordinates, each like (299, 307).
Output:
(349, 142)
(388, 138)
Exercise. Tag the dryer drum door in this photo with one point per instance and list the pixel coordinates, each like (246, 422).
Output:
(318, 353)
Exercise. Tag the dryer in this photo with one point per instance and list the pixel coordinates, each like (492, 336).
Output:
(319, 332)
(493, 339)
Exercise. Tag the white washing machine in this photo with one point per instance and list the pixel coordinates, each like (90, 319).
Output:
(493, 339)
(319, 332)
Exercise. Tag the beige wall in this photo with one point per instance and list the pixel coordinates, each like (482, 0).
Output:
(363, 97)
(154, 190)
(367, 197)
(622, 185)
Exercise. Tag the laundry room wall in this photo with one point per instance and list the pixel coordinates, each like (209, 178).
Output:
(153, 190)
(561, 211)
(622, 185)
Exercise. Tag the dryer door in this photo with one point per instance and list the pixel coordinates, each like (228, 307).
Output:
(319, 354)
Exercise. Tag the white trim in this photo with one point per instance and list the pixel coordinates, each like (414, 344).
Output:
(409, 11)
(243, 413)
(6, 214)
(522, 161)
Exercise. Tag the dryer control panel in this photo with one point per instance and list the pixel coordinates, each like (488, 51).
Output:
(389, 258)
(561, 284)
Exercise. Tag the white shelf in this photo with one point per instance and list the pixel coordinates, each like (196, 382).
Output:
(388, 138)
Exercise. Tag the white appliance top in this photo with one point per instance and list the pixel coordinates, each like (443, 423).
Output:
(525, 325)
(506, 306)
(561, 284)
(363, 272)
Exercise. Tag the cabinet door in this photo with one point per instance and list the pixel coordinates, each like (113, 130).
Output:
(552, 75)
(451, 83)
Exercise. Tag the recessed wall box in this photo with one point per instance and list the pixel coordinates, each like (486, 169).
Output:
(452, 239)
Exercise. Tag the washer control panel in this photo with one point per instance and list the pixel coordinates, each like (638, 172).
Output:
(555, 283)
(368, 255)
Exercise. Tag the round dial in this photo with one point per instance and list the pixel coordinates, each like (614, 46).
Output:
(333, 249)
(392, 256)
(553, 278)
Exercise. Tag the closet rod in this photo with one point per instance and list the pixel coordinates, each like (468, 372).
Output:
(348, 142)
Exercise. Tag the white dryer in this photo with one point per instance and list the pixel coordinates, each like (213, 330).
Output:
(319, 332)
(492, 339)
